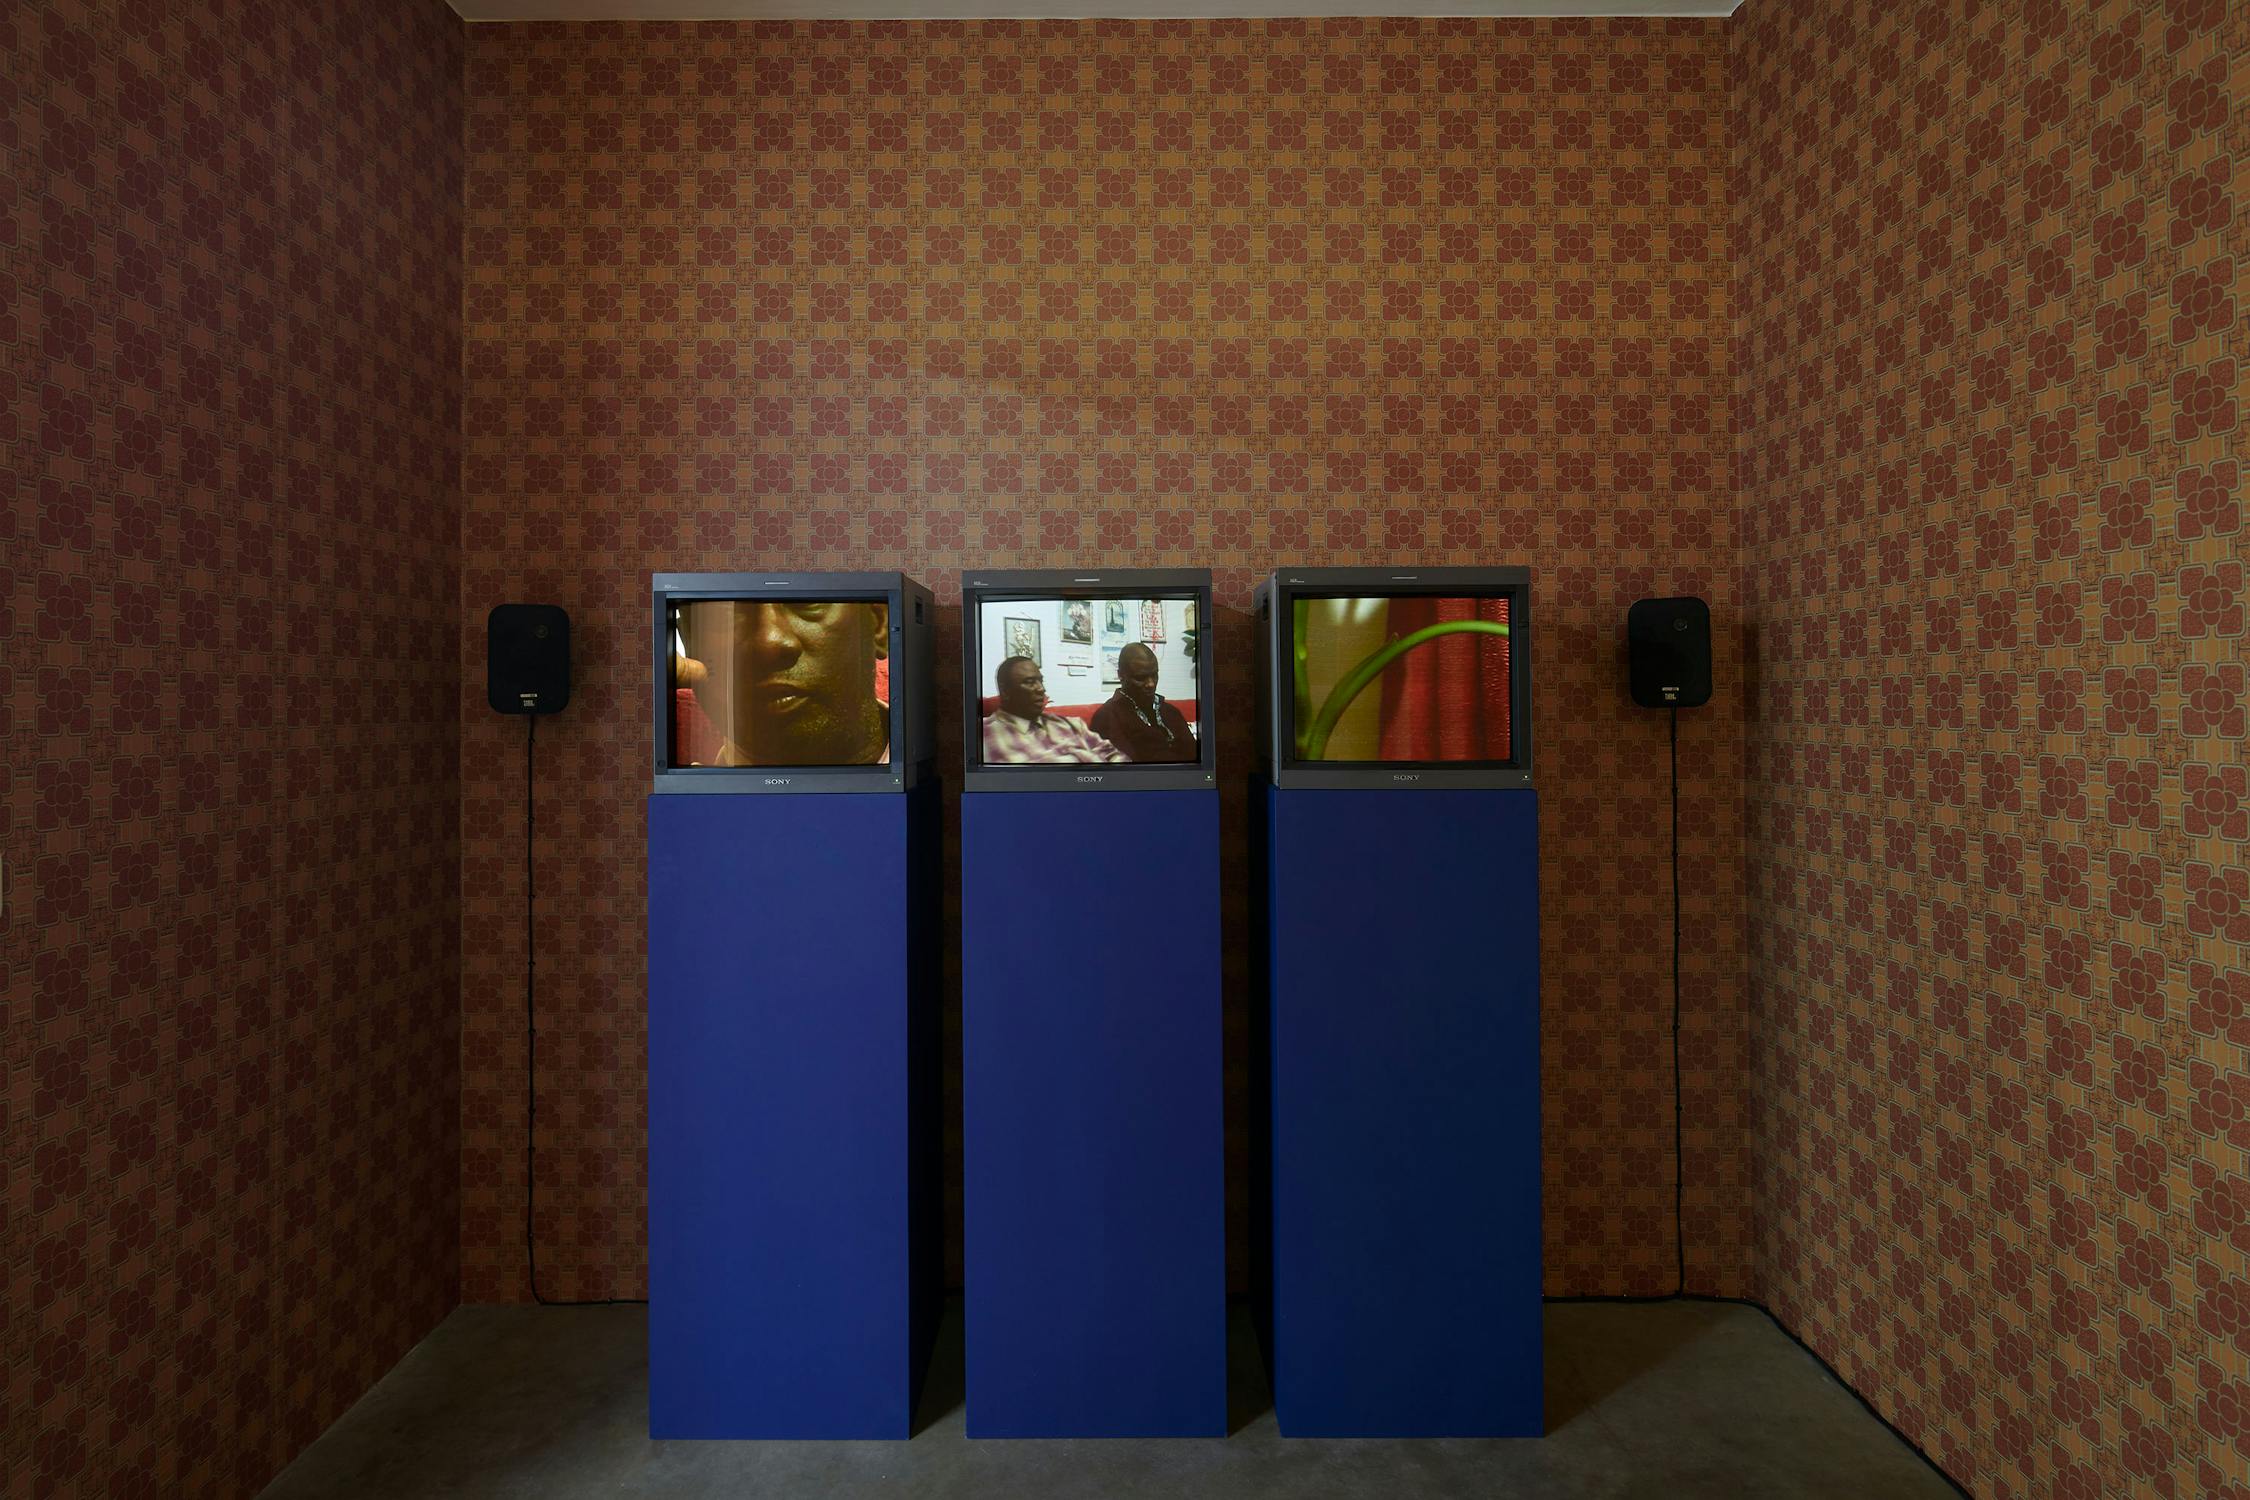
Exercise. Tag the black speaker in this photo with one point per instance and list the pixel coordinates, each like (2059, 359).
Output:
(527, 652)
(1671, 651)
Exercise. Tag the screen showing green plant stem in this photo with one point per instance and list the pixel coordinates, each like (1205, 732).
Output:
(1403, 679)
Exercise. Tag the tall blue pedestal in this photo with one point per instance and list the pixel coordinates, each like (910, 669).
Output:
(792, 1048)
(1400, 1111)
(1095, 1278)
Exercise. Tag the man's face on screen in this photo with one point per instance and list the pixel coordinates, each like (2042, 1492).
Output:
(1136, 673)
(1023, 689)
(805, 681)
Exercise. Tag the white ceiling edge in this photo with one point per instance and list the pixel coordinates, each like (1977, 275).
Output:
(1044, 10)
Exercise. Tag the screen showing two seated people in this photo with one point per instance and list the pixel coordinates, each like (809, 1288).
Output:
(772, 682)
(1406, 679)
(1075, 681)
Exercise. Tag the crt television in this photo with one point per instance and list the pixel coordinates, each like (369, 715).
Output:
(1398, 677)
(1087, 679)
(791, 682)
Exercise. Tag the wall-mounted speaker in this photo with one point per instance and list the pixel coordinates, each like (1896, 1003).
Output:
(1670, 643)
(527, 653)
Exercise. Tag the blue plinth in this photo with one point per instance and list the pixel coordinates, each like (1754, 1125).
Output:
(791, 1047)
(1094, 1302)
(1401, 1151)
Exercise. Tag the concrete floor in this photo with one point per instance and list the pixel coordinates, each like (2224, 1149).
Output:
(1672, 1400)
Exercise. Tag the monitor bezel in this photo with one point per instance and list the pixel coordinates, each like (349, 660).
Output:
(1002, 585)
(1287, 585)
(891, 589)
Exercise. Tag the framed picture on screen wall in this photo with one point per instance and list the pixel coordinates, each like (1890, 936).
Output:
(1078, 621)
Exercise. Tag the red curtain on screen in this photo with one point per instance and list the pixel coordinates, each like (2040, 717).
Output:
(1447, 699)
(695, 739)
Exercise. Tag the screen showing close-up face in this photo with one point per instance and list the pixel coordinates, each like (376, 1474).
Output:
(1411, 678)
(1086, 681)
(770, 682)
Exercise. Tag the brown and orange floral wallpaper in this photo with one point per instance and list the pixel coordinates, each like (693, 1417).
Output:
(794, 295)
(1911, 337)
(1990, 446)
(229, 507)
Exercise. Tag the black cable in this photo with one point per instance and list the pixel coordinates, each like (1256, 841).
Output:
(1679, 1181)
(1679, 1126)
(530, 1014)
(531, 1045)
(1679, 1107)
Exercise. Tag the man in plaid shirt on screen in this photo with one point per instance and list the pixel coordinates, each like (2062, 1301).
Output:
(1020, 731)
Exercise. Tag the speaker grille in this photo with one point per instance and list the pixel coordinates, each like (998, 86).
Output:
(1669, 643)
(527, 655)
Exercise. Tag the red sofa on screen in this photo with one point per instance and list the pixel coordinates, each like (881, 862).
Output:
(1086, 711)
(696, 738)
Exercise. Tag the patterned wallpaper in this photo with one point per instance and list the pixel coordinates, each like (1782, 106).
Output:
(826, 296)
(230, 313)
(1990, 453)
(799, 295)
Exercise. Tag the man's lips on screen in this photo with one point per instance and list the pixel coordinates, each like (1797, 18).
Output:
(779, 697)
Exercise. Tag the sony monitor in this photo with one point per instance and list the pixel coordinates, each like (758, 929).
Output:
(791, 682)
(1087, 679)
(1395, 677)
